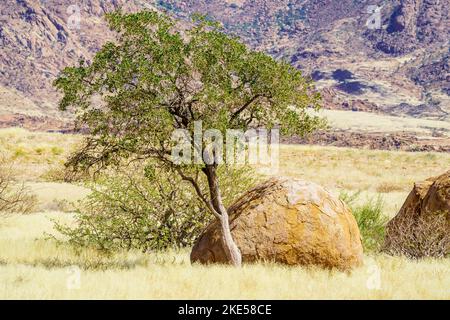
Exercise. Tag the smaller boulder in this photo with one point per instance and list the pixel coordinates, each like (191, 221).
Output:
(422, 226)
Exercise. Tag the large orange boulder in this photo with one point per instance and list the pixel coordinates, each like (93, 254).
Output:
(422, 226)
(288, 221)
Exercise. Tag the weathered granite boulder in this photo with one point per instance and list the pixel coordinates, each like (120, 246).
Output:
(288, 221)
(422, 226)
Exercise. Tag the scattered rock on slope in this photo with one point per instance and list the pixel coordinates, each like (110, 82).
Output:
(288, 221)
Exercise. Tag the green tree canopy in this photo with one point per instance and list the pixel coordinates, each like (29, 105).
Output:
(157, 77)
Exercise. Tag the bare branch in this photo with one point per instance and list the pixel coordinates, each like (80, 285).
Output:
(13, 197)
(194, 183)
(245, 106)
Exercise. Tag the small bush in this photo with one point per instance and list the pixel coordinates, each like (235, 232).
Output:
(14, 197)
(58, 173)
(39, 151)
(370, 219)
(53, 174)
(386, 187)
(424, 236)
(20, 152)
(152, 211)
(57, 151)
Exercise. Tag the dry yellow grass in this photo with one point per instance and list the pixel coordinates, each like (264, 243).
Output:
(356, 169)
(33, 267)
(54, 196)
(365, 121)
(368, 171)
(35, 153)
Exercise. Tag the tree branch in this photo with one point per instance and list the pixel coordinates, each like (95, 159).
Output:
(245, 106)
(199, 192)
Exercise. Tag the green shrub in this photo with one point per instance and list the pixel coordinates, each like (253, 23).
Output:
(151, 211)
(57, 151)
(370, 219)
(19, 152)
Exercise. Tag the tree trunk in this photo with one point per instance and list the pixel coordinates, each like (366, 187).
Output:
(231, 249)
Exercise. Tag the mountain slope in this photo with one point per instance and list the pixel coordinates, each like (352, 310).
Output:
(401, 68)
(389, 69)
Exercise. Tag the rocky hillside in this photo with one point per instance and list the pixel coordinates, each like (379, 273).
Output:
(412, 24)
(399, 68)
(39, 38)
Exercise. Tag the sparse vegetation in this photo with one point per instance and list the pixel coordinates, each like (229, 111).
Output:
(370, 218)
(56, 173)
(33, 267)
(388, 187)
(14, 197)
(19, 145)
(423, 237)
(366, 121)
(147, 211)
(40, 269)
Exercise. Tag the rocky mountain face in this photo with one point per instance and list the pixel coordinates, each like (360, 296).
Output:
(379, 56)
(399, 66)
(411, 24)
(39, 38)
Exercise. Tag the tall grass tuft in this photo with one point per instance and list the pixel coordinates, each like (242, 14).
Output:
(370, 219)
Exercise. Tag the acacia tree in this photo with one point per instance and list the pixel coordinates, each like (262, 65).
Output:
(155, 79)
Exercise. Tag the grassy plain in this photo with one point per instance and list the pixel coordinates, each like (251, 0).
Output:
(35, 267)
(366, 121)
